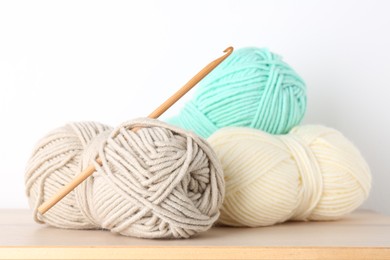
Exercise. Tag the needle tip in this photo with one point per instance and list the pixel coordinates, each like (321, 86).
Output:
(229, 49)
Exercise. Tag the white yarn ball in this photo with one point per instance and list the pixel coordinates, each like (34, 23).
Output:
(312, 173)
(158, 182)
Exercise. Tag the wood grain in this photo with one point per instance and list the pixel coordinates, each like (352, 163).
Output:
(362, 235)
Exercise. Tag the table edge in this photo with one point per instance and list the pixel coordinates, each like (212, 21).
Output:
(192, 252)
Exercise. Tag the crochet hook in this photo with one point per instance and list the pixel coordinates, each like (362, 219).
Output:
(155, 114)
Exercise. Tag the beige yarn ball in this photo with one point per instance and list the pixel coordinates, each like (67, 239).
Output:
(158, 182)
(312, 173)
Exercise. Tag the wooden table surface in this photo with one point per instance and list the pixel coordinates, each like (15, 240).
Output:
(361, 235)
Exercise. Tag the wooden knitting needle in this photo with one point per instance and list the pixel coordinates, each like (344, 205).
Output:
(155, 114)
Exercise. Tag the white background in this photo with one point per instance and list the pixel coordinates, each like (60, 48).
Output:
(113, 61)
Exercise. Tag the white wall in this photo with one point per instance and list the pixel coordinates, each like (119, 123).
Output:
(113, 61)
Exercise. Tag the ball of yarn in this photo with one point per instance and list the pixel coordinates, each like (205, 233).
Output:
(312, 173)
(253, 88)
(158, 182)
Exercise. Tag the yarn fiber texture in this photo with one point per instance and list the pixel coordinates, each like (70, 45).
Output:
(312, 173)
(252, 88)
(158, 182)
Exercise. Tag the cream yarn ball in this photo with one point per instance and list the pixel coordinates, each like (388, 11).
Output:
(312, 173)
(158, 182)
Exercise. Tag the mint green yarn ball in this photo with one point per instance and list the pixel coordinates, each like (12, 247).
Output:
(251, 88)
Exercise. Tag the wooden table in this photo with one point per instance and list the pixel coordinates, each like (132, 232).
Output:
(361, 235)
